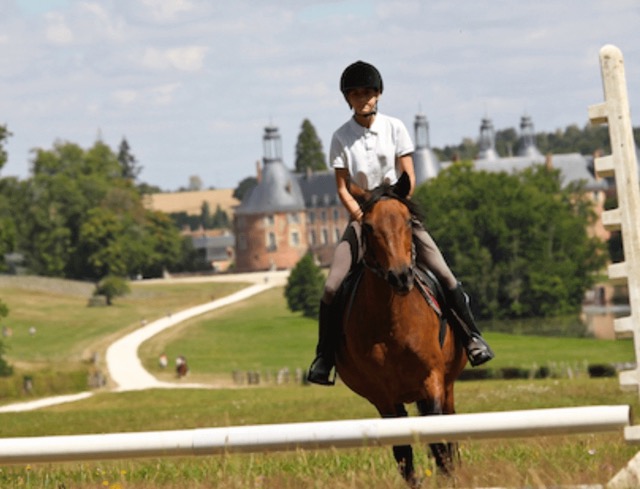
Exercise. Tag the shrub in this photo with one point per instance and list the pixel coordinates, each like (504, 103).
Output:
(112, 286)
(304, 287)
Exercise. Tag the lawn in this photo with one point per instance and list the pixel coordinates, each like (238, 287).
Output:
(262, 335)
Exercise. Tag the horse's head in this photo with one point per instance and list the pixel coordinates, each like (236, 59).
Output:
(387, 232)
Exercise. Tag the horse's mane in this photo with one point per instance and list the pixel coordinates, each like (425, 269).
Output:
(387, 191)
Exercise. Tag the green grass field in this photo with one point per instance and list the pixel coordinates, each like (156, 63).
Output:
(262, 335)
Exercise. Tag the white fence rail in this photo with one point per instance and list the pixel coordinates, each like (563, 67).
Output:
(339, 434)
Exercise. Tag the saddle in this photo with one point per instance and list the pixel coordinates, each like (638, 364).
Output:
(425, 281)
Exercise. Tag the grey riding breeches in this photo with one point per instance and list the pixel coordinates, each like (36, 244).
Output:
(427, 254)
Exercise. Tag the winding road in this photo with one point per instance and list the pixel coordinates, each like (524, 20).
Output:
(123, 364)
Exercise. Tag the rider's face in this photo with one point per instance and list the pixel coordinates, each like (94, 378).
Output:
(363, 100)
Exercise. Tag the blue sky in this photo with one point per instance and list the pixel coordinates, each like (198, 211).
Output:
(192, 83)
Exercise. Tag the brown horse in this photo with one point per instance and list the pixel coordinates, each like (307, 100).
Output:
(392, 352)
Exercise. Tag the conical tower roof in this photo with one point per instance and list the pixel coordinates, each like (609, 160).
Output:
(277, 190)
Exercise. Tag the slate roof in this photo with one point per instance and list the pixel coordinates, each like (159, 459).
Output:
(318, 188)
(277, 191)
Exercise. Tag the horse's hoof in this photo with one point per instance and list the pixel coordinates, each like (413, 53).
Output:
(415, 482)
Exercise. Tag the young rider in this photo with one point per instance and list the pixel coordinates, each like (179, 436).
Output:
(372, 148)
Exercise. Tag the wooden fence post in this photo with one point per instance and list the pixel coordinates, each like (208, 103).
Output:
(622, 164)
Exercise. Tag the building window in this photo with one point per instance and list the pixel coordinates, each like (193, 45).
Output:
(295, 238)
(311, 217)
(271, 242)
(336, 214)
(323, 215)
(312, 237)
(325, 236)
(269, 220)
(336, 234)
(294, 218)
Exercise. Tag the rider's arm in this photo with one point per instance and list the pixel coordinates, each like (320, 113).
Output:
(342, 184)
(405, 164)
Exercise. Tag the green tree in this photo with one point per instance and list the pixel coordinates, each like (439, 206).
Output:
(245, 186)
(8, 231)
(83, 219)
(4, 135)
(128, 162)
(111, 287)
(304, 287)
(518, 241)
(5, 369)
(309, 154)
(220, 219)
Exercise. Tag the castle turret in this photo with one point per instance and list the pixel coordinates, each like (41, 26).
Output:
(527, 143)
(425, 161)
(270, 222)
(487, 141)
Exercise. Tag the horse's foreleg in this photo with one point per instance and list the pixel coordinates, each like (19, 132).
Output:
(403, 453)
(444, 453)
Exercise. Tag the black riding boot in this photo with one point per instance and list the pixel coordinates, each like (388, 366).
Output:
(478, 351)
(320, 369)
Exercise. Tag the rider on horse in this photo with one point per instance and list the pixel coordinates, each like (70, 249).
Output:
(371, 149)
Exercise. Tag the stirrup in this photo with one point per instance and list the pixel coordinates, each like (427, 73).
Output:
(320, 372)
(478, 351)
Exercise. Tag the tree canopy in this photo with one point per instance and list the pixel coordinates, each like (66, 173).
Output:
(518, 241)
(80, 216)
(309, 154)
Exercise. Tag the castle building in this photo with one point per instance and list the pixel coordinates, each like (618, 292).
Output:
(270, 223)
(287, 215)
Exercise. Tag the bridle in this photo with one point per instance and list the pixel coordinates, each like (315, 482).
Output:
(374, 265)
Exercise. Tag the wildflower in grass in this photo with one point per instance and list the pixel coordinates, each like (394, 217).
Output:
(428, 473)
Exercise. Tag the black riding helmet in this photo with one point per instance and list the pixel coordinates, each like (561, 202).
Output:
(360, 75)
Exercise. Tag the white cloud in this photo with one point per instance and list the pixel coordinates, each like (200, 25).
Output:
(125, 96)
(57, 30)
(187, 58)
(163, 94)
(167, 9)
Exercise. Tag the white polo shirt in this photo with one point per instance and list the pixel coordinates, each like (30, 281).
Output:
(370, 153)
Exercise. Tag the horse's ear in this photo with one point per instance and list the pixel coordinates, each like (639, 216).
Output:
(360, 194)
(403, 185)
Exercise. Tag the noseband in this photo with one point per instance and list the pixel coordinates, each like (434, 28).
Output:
(374, 265)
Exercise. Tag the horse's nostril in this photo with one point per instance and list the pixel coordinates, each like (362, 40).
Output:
(401, 281)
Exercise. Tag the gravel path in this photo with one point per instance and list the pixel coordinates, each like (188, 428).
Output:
(123, 364)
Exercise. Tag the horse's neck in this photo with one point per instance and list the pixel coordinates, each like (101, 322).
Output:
(378, 296)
